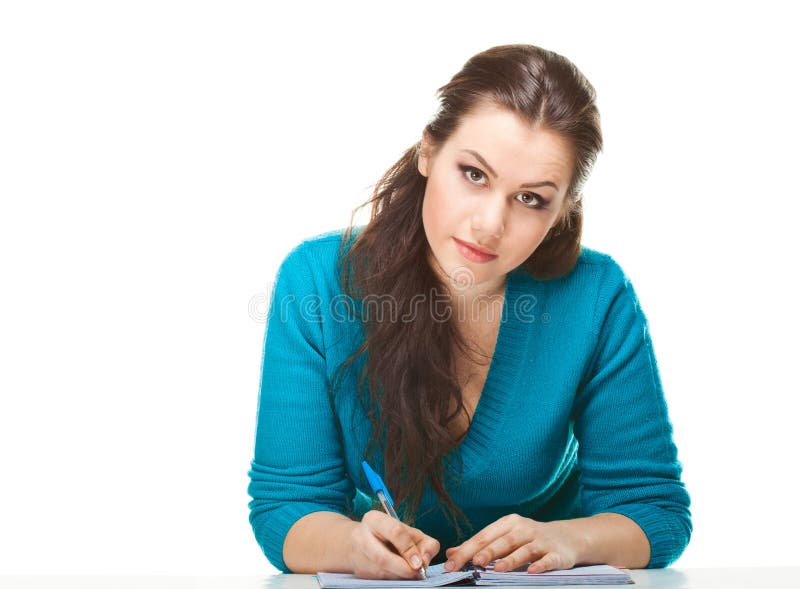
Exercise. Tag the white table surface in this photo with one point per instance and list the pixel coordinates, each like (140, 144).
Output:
(669, 578)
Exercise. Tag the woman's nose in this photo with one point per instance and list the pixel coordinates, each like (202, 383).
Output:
(489, 218)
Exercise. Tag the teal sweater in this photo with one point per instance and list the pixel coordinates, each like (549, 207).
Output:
(572, 420)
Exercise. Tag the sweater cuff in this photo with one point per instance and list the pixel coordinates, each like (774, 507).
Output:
(667, 540)
(272, 528)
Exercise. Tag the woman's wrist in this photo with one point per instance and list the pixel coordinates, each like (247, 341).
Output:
(608, 538)
(320, 541)
(577, 535)
(348, 529)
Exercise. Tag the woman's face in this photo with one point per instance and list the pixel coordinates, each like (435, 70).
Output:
(476, 193)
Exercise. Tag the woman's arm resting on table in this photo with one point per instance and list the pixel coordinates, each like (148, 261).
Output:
(635, 506)
(514, 540)
(298, 467)
(302, 493)
(610, 538)
(626, 455)
(377, 547)
(319, 541)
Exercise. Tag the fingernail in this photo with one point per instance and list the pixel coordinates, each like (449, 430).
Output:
(416, 561)
(449, 565)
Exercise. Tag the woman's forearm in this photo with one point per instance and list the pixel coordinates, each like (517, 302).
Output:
(610, 538)
(319, 541)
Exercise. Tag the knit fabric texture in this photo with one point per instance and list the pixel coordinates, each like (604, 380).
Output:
(572, 420)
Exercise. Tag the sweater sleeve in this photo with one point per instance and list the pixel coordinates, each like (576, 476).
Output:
(298, 466)
(626, 455)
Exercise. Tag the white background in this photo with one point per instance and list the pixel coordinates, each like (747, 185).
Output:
(158, 160)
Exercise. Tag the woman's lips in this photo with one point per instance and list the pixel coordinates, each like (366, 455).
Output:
(472, 254)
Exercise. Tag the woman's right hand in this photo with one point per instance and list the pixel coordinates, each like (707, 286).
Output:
(385, 548)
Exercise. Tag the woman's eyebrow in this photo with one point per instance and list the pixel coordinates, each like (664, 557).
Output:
(479, 157)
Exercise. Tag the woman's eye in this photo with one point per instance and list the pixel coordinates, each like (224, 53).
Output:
(531, 200)
(471, 172)
(534, 201)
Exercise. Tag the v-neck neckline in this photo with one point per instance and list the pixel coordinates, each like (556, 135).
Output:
(498, 386)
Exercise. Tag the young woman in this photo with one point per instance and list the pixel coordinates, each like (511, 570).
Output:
(500, 376)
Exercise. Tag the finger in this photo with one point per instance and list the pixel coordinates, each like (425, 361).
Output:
(524, 554)
(428, 546)
(500, 547)
(549, 562)
(401, 537)
(385, 563)
(461, 554)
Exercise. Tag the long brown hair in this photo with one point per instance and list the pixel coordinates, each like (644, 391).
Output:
(410, 376)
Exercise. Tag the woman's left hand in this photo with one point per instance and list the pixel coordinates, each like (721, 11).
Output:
(517, 540)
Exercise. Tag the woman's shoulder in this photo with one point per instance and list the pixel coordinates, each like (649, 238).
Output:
(323, 244)
(601, 265)
(612, 286)
(593, 256)
(317, 256)
(592, 266)
(316, 249)
(585, 293)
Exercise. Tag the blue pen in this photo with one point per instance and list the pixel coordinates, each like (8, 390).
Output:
(380, 490)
